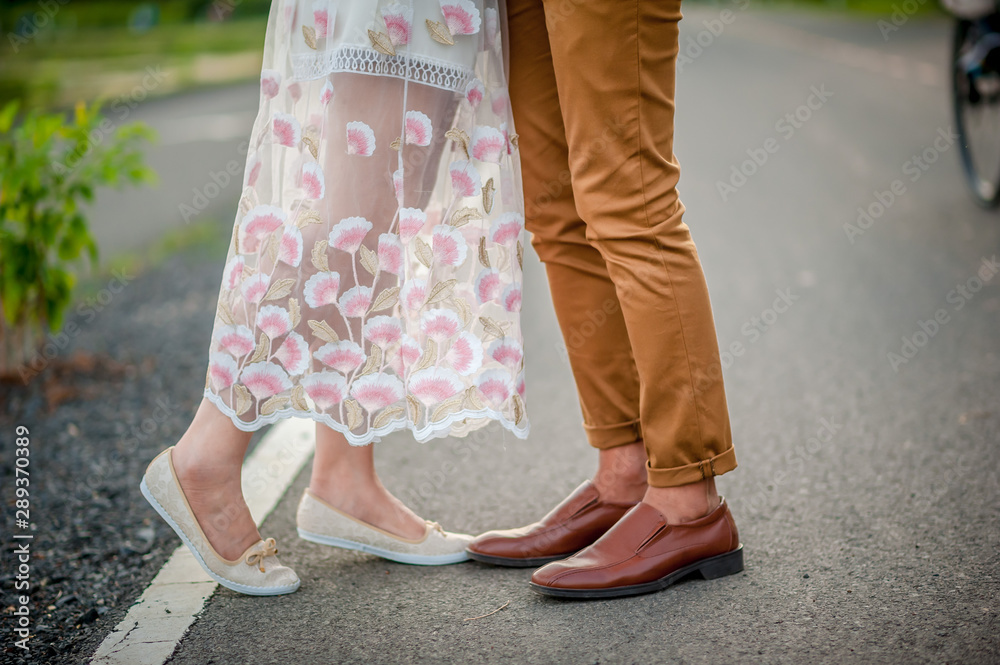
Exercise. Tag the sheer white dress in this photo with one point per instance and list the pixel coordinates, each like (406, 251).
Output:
(373, 281)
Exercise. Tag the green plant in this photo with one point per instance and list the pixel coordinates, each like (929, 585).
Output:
(50, 166)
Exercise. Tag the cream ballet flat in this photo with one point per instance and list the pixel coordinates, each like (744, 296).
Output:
(319, 522)
(257, 572)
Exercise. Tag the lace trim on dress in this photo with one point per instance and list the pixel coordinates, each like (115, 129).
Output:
(448, 426)
(364, 60)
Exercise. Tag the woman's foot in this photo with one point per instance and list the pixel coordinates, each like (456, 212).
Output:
(368, 500)
(216, 499)
(208, 461)
(344, 476)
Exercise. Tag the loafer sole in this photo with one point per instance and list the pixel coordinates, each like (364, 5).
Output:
(711, 568)
(398, 557)
(510, 562)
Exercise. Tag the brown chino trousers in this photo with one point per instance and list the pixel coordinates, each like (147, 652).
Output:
(592, 87)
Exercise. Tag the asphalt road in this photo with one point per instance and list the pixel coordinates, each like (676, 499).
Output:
(868, 490)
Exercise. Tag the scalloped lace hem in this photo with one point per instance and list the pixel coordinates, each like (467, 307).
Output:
(365, 60)
(422, 435)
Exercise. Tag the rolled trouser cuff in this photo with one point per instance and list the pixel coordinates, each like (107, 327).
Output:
(692, 473)
(612, 436)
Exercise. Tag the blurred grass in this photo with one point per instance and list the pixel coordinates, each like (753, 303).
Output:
(59, 67)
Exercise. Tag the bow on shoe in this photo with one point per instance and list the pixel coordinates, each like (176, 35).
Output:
(268, 548)
(434, 525)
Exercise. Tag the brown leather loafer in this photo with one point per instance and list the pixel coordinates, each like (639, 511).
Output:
(578, 521)
(643, 553)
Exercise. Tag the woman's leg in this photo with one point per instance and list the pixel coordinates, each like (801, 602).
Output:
(208, 461)
(344, 476)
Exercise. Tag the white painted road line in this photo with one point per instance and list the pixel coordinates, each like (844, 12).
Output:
(155, 624)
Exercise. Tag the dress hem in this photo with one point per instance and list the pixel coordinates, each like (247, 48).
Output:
(422, 435)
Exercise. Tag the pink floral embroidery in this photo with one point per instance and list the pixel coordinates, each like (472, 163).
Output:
(499, 102)
(326, 94)
(418, 128)
(491, 26)
(349, 233)
(397, 184)
(294, 354)
(507, 352)
(520, 385)
(260, 221)
(377, 391)
(295, 90)
(413, 294)
(265, 379)
(465, 178)
(411, 220)
(495, 386)
(409, 350)
(345, 355)
(487, 285)
(322, 289)
(449, 245)
(355, 301)
(465, 354)
(222, 370)
(321, 19)
(313, 181)
(511, 298)
(507, 229)
(252, 171)
(290, 246)
(390, 253)
(273, 321)
(439, 324)
(398, 23)
(236, 340)
(474, 92)
(270, 82)
(233, 274)
(488, 144)
(254, 287)
(360, 139)
(434, 384)
(382, 330)
(461, 16)
(287, 130)
(325, 388)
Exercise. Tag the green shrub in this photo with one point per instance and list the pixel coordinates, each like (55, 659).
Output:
(49, 167)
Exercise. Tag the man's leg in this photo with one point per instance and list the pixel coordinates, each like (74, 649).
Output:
(614, 66)
(586, 305)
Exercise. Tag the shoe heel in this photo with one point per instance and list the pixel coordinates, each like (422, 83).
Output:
(722, 565)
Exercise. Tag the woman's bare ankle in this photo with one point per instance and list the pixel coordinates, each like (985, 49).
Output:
(371, 503)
